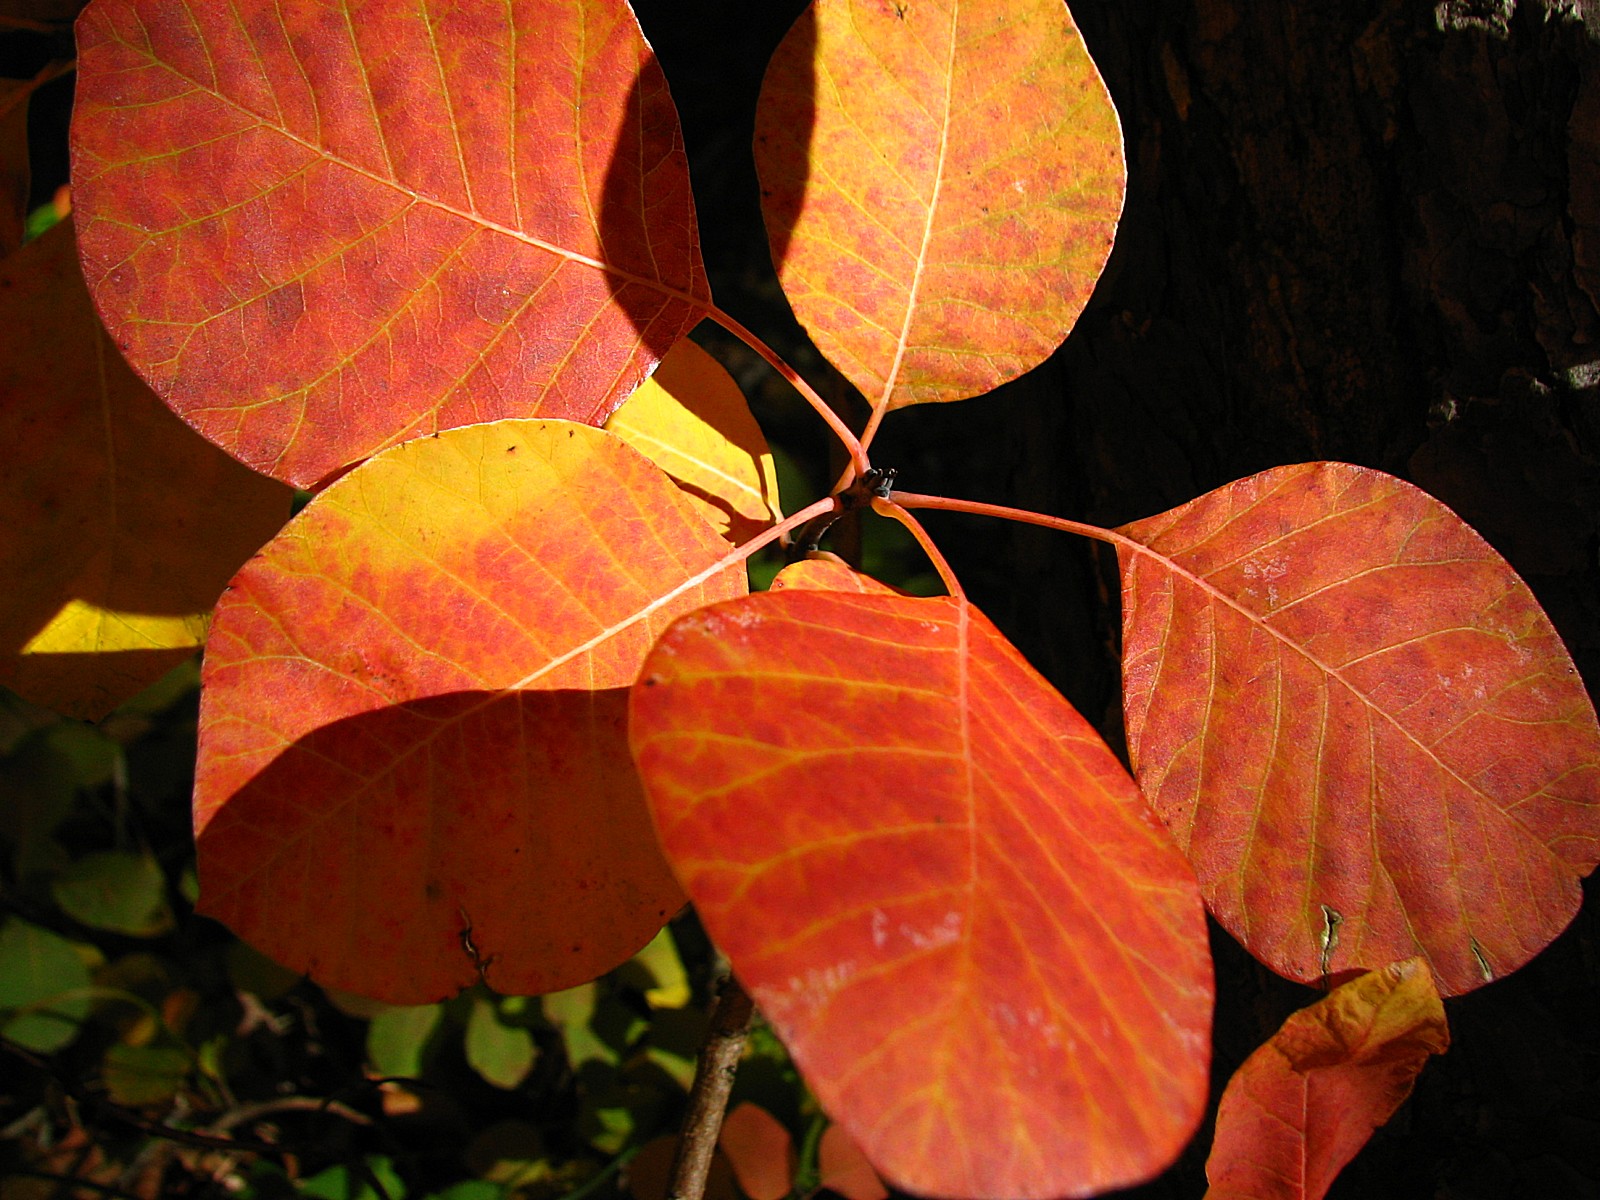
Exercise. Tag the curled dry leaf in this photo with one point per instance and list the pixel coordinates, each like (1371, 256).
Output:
(937, 883)
(1300, 1107)
(941, 182)
(413, 759)
(320, 229)
(1360, 726)
(111, 570)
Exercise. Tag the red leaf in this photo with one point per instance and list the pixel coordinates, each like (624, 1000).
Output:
(111, 570)
(1300, 1107)
(938, 884)
(941, 183)
(760, 1151)
(317, 230)
(1360, 726)
(844, 1169)
(412, 750)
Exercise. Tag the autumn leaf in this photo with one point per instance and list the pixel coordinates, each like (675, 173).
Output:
(1360, 726)
(1301, 1106)
(823, 572)
(692, 421)
(941, 183)
(842, 1168)
(760, 1151)
(976, 940)
(413, 760)
(112, 569)
(318, 230)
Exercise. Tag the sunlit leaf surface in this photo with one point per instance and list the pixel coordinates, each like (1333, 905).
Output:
(1360, 726)
(941, 888)
(941, 182)
(1301, 1106)
(413, 758)
(319, 229)
(692, 421)
(110, 568)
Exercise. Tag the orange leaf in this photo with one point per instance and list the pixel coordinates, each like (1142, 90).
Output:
(1300, 1107)
(760, 1151)
(823, 572)
(941, 183)
(112, 570)
(413, 757)
(692, 421)
(318, 231)
(1360, 726)
(943, 891)
(844, 1169)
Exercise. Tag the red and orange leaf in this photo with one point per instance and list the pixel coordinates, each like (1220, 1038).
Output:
(413, 757)
(1300, 1107)
(111, 570)
(977, 941)
(321, 229)
(842, 1168)
(760, 1151)
(1360, 726)
(692, 421)
(941, 182)
(825, 572)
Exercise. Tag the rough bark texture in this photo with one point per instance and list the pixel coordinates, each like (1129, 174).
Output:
(1366, 231)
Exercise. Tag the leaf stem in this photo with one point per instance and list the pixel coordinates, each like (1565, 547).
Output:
(708, 1098)
(978, 508)
(858, 453)
(896, 512)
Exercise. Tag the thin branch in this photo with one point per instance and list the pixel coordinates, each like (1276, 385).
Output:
(708, 1098)
(858, 453)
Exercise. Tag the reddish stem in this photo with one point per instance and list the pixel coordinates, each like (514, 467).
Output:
(858, 453)
(978, 508)
(896, 512)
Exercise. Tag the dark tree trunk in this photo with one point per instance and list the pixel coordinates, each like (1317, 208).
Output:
(1366, 231)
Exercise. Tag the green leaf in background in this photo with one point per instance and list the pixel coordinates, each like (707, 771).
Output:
(117, 890)
(36, 967)
(140, 1075)
(502, 1054)
(657, 970)
(572, 1013)
(397, 1036)
(471, 1189)
(344, 1183)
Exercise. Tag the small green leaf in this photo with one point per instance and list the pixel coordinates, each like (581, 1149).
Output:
(345, 1183)
(572, 1013)
(139, 1075)
(502, 1054)
(45, 975)
(397, 1036)
(670, 983)
(116, 890)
